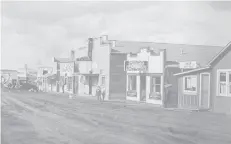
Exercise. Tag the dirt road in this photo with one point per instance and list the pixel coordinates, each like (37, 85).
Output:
(31, 118)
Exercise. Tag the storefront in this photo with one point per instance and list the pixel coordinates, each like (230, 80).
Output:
(66, 77)
(42, 78)
(145, 76)
(208, 87)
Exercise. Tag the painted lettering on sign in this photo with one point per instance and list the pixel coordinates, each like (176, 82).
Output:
(188, 65)
(136, 65)
(66, 68)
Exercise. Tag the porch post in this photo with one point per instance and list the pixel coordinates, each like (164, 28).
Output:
(138, 87)
(148, 86)
(163, 78)
(58, 77)
(74, 78)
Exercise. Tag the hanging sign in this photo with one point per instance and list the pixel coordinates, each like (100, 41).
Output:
(188, 65)
(136, 65)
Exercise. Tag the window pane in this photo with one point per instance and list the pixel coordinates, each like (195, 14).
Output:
(222, 88)
(134, 82)
(94, 80)
(157, 88)
(229, 77)
(190, 83)
(157, 80)
(131, 82)
(222, 77)
(229, 84)
(103, 80)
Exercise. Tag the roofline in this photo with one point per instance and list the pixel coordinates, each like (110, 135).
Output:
(191, 71)
(63, 60)
(217, 56)
(155, 42)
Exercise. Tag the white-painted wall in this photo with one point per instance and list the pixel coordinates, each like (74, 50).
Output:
(155, 63)
(155, 66)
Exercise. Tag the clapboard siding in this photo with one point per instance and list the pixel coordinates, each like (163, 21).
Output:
(188, 100)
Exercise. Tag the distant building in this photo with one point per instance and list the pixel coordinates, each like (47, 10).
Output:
(9, 75)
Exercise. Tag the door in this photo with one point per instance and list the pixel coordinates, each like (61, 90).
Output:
(205, 91)
(143, 87)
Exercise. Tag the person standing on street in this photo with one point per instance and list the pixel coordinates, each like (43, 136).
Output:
(98, 93)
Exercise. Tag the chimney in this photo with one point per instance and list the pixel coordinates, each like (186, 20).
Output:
(72, 54)
(104, 38)
(90, 47)
(113, 43)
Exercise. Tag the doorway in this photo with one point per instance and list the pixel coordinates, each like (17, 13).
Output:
(143, 87)
(205, 90)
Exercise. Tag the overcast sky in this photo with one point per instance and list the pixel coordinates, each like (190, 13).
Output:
(34, 32)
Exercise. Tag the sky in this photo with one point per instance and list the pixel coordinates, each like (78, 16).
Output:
(34, 32)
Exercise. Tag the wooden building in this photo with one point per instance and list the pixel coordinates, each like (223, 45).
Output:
(96, 64)
(208, 87)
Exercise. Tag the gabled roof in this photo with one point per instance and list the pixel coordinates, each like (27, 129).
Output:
(200, 53)
(223, 52)
(192, 71)
(211, 63)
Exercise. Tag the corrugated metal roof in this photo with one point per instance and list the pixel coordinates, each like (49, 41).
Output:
(175, 52)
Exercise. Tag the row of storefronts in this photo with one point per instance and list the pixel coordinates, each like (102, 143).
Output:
(142, 71)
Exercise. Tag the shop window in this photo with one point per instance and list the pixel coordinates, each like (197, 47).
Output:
(155, 87)
(103, 80)
(190, 84)
(84, 80)
(94, 80)
(132, 82)
(69, 83)
(224, 82)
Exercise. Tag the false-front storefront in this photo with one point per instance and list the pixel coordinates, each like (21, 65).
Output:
(145, 76)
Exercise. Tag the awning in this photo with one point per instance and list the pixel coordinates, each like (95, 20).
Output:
(88, 74)
(192, 71)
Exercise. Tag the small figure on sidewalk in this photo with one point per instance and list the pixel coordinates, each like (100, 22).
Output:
(103, 91)
(98, 93)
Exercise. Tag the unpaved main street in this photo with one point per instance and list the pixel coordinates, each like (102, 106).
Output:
(31, 118)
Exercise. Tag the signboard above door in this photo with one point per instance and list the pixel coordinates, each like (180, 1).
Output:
(136, 66)
(188, 65)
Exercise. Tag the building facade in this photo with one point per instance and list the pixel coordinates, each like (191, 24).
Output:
(145, 76)
(208, 87)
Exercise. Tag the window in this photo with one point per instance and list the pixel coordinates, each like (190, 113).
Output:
(132, 82)
(229, 84)
(94, 80)
(83, 79)
(224, 82)
(103, 80)
(155, 87)
(190, 84)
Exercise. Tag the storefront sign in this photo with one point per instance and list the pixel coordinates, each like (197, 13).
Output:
(132, 93)
(188, 65)
(66, 69)
(136, 65)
